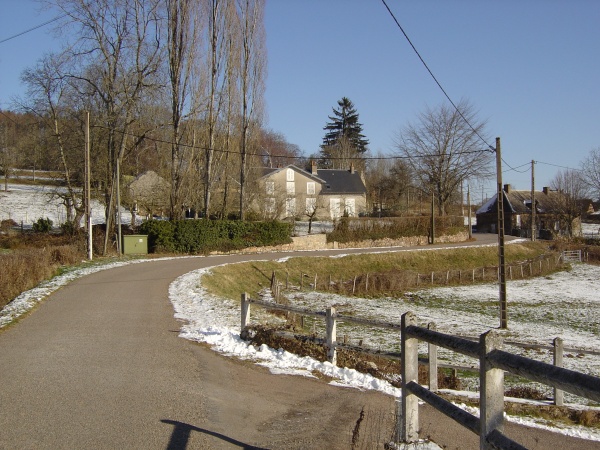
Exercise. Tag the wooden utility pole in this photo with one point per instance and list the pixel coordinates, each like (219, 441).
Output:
(432, 218)
(118, 181)
(469, 211)
(501, 261)
(533, 211)
(87, 195)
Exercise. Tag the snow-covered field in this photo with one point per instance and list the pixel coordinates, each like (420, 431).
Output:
(27, 203)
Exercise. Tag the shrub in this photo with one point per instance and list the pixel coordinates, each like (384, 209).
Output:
(358, 229)
(160, 235)
(69, 228)
(7, 224)
(204, 236)
(42, 225)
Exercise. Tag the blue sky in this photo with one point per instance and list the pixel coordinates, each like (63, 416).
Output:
(530, 68)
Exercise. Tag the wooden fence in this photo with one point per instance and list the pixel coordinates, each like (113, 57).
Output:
(402, 280)
(493, 363)
(571, 256)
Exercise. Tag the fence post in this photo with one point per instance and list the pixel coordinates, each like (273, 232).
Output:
(331, 336)
(491, 399)
(433, 362)
(558, 362)
(410, 372)
(245, 311)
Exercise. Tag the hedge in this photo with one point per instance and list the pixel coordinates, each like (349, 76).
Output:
(358, 229)
(203, 236)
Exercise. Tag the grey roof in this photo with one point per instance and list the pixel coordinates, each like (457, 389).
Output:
(334, 181)
(341, 182)
(520, 202)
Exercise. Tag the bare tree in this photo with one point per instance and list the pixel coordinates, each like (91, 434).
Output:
(251, 78)
(443, 150)
(388, 184)
(182, 42)
(50, 98)
(117, 50)
(572, 188)
(220, 26)
(590, 170)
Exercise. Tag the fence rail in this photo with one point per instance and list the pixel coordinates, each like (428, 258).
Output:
(571, 256)
(493, 362)
(390, 282)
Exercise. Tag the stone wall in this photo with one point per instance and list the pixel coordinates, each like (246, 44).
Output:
(319, 242)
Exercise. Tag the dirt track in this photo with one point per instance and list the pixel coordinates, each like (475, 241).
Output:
(100, 365)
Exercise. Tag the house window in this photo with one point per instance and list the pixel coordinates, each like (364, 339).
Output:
(291, 187)
(290, 175)
(270, 187)
(311, 205)
(270, 206)
(350, 207)
(334, 207)
(310, 188)
(290, 207)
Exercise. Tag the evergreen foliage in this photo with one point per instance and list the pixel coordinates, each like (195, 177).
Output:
(204, 236)
(343, 138)
(354, 230)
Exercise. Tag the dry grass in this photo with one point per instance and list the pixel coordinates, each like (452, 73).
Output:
(389, 273)
(28, 259)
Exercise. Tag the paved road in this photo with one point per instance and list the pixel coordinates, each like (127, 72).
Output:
(99, 365)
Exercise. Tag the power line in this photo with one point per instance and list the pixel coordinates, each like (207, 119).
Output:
(560, 167)
(515, 168)
(234, 152)
(32, 29)
(435, 79)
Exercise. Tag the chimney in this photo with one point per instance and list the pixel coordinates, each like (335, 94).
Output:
(507, 188)
(313, 167)
(351, 167)
(545, 190)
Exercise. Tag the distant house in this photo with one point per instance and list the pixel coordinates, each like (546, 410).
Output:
(291, 192)
(549, 213)
(148, 194)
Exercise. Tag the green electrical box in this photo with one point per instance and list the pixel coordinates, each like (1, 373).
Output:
(135, 244)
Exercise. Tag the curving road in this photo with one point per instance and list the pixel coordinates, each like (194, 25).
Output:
(99, 365)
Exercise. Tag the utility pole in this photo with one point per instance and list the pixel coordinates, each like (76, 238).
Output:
(501, 261)
(462, 200)
(432, 218)
(469, 211)
(87, 199)
(118, 191)
(533, 211)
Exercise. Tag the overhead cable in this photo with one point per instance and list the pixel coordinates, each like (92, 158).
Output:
(435, 79)
(32, 29)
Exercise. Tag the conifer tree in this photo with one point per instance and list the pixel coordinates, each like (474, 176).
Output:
(343, 142)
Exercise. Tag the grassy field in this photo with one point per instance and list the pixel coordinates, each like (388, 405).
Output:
(229, 281)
